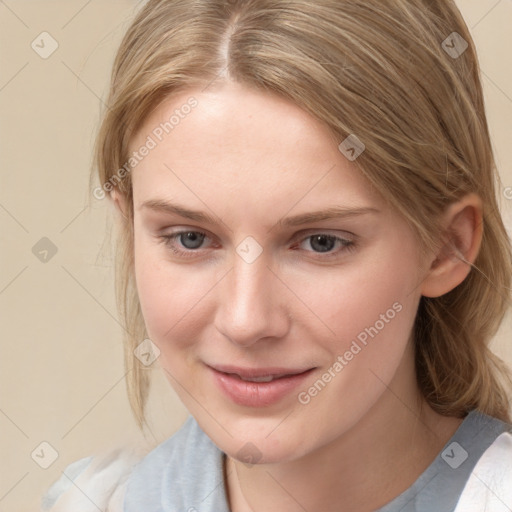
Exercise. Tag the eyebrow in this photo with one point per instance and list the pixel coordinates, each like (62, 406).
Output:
(174, 209)
(337, 212)
(296, 220)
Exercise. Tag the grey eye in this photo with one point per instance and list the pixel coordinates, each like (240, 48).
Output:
(322, 243)
(191, 239)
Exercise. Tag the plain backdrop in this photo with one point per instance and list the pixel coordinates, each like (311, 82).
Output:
(61, 376)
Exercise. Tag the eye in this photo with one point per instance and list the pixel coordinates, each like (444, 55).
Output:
(325, 243)
(186, 243)
(322, 243)
(191, 239)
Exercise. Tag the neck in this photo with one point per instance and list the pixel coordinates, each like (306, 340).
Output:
(361, 470)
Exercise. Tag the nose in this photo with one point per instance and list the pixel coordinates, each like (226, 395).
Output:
(251, 304)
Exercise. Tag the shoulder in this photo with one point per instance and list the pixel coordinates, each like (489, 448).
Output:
(489, 486)
(179, 469)
(185, 472)
(92, 483)
(177, 448)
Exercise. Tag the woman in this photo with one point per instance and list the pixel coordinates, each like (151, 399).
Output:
(310, 238)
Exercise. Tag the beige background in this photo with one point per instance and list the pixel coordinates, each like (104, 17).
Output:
(61, 374)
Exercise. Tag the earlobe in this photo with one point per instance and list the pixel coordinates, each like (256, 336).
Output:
(462, 237)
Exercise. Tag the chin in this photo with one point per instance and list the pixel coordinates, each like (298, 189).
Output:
(266, 441)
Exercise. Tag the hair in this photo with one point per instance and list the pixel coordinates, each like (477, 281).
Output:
(390, 72)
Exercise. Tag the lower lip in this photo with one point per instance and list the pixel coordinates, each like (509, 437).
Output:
(257, 394)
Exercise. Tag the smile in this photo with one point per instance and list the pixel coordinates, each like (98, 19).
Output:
(257, 387)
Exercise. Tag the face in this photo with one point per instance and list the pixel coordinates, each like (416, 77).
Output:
(262, 253)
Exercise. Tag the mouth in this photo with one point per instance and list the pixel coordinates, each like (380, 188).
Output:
(258, 387)
(259, 374)
(269, 378)
(263, 378)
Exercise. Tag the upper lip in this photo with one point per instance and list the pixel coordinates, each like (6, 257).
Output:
(250, 373)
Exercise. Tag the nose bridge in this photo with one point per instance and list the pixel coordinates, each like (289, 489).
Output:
(250, 306)
(250, 285)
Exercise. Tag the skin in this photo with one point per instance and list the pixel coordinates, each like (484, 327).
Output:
(249, 160)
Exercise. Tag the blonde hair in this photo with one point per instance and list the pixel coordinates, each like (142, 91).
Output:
(402, 76)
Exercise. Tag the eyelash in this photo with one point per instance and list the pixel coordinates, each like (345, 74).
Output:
(346, 244)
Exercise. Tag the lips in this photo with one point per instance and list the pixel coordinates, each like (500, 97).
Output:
(257, 387)
(259, 374)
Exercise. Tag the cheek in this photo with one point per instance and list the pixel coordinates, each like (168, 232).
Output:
(377, 295)
(374, 321)
(169, 296)
(372, 317)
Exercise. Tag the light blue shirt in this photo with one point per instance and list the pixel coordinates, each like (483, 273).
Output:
(185, 473)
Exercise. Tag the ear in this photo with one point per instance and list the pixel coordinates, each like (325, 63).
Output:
(462, 235)
(119, 201)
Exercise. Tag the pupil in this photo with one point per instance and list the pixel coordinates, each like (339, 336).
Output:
(191, 240)
(322, 243)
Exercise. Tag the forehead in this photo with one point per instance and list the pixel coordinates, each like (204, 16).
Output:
(238, 142)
